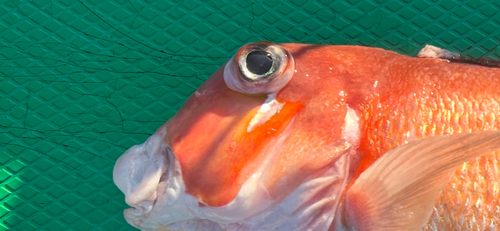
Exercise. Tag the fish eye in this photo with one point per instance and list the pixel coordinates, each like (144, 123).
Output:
(259, 68)
(257, 65)
(259, 62)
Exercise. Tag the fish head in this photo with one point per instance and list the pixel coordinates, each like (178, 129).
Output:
(267, 124)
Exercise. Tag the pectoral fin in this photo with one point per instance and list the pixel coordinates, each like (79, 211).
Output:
(400, 189)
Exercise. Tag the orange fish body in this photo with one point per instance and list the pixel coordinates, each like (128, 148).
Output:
(296, 143)
(417, 98)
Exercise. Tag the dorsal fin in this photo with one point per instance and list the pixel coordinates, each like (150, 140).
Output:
(400, 189)
(430, 51)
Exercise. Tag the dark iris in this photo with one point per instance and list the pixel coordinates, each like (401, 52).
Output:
(259, 62)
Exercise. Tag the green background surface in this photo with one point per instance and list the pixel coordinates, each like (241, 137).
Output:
(82, 81)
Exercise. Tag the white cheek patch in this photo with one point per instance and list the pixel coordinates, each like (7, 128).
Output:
(351, 131)
(267, 110)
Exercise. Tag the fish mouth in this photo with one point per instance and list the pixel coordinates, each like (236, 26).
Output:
(139, 172)
(150, 176)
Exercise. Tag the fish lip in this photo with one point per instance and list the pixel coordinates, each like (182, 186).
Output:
(168, 188)
(140, 170)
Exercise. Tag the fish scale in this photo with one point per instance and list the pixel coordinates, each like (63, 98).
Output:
(462, 205)
(475, 208)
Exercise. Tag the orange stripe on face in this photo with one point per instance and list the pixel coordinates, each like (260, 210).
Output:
(215, 151)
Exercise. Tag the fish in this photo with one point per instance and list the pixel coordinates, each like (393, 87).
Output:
(324, 137)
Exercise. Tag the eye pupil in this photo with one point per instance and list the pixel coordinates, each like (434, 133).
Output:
(259, 62)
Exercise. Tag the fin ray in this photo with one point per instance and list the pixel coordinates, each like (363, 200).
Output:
(400, 189)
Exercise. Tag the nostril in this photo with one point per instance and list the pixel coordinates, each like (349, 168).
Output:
(175, 139)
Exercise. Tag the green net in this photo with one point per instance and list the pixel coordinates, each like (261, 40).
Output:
(82, 81)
